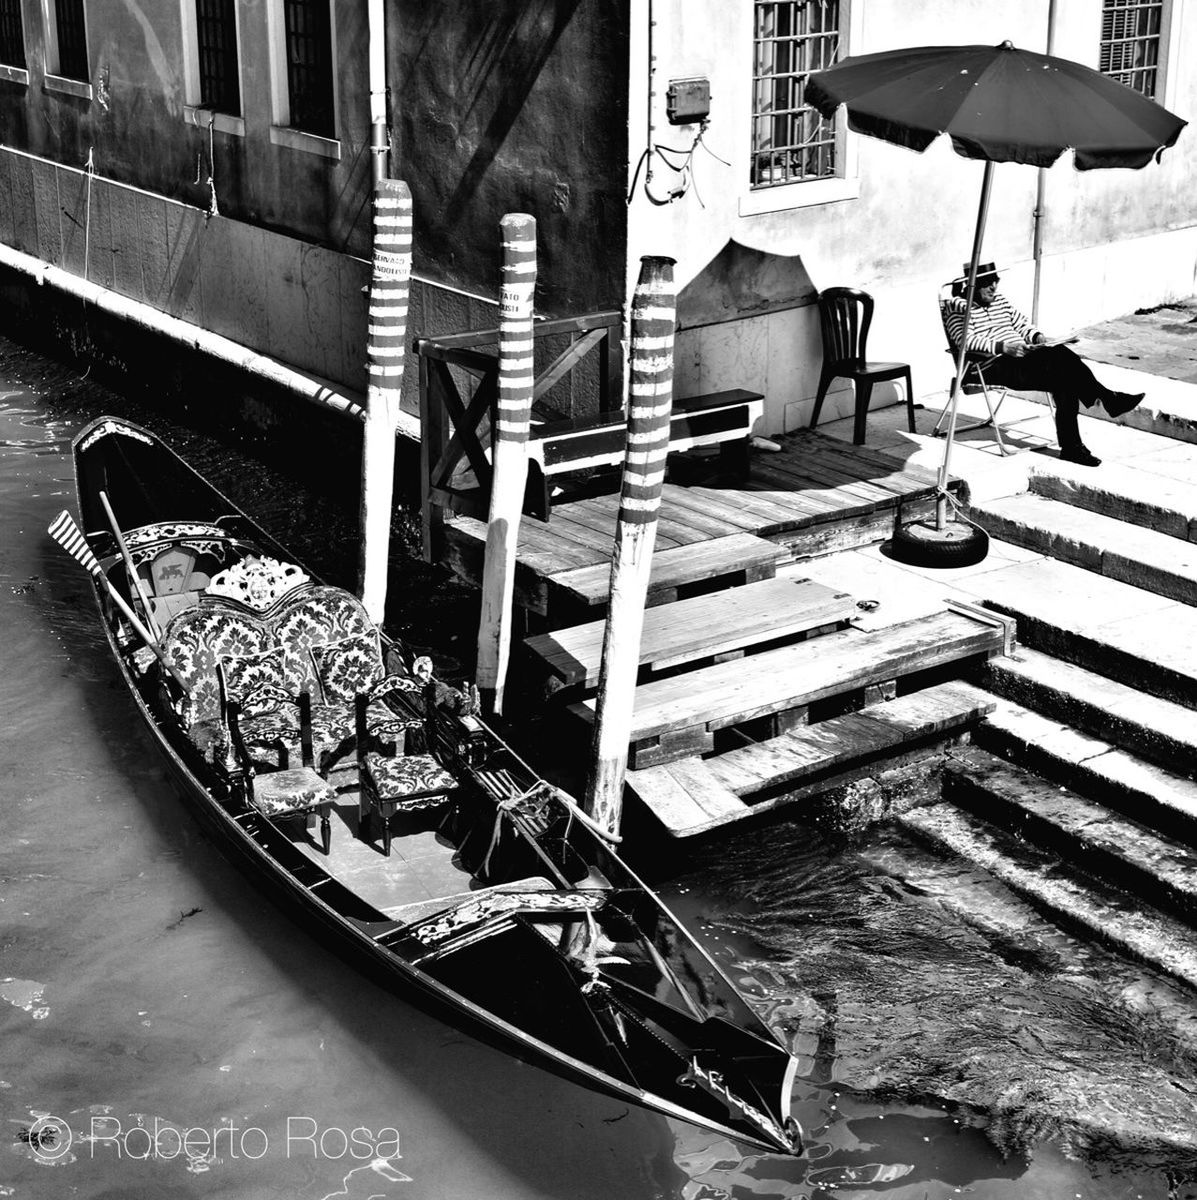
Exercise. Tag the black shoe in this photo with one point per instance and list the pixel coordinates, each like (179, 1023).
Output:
(1118, 403)
(1079, 454)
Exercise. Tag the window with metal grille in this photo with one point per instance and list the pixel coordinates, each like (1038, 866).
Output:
(791, 142)
(12, 34)
(309, 65)
(72, 40)
(216, 38)
(1130, 43)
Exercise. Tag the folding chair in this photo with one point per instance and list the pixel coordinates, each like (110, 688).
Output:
(974, 382)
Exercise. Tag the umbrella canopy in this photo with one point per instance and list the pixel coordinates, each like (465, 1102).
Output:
(997, 103)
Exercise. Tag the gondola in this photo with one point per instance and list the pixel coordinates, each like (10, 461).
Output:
(374, 804)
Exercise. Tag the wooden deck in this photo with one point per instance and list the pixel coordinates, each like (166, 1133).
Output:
(756, 688)
(816, 496)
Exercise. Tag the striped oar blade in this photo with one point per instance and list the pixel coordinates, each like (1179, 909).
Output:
(66, 533)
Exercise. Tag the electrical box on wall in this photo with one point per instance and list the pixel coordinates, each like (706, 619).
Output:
(688, 101)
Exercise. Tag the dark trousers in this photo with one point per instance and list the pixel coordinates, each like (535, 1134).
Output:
(1054, 369)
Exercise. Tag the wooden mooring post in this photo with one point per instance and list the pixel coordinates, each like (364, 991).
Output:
(390, 284)
(654, 306)
(509, 455)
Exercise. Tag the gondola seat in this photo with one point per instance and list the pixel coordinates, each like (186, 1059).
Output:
(262, 636)
(295, 792)
(394, 779)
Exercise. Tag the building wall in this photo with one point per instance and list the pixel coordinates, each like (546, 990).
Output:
(261, 232)
(508, 106)
(903, 222)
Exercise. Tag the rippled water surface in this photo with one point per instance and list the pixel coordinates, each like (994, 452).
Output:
(188, 1040)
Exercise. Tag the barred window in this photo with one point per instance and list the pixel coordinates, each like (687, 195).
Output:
(1130, 43)
(72, 40)
(216, 37)
(308, 30)
(791, 142)
(12, 34)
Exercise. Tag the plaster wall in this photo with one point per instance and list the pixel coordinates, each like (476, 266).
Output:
(901, 223)
(508, 106)
(289, 299)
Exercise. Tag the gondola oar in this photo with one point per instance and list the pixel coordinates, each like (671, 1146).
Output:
(134, 577)
(66, 533)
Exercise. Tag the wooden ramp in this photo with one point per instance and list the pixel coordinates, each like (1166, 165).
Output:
(714, 625)
(679, 716)
(695, 795)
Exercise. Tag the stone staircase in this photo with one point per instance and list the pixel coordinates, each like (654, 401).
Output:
(1078, 790)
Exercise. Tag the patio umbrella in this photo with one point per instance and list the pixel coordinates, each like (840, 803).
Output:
(998, 104)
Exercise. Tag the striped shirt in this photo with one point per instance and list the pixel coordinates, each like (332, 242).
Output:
(1000, 322)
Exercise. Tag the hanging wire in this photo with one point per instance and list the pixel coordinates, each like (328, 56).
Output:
(213, 207)
(91, 170)
(680, 160)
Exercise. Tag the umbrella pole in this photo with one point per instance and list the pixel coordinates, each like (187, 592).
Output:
(941, 502)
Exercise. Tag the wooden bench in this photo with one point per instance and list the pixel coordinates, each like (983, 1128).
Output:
(695, 795)
(559, 448)
(717, 623)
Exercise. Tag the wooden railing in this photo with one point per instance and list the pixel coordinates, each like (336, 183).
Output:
(450, 422)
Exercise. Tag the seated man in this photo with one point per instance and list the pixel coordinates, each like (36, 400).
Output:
(1021, 360)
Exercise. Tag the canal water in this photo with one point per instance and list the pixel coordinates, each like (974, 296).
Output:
(185, 1039)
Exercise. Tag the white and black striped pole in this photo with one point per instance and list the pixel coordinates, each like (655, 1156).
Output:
(650, 406)
(390, 283)
(509, 455)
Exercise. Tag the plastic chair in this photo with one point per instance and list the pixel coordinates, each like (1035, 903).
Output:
(845, 315)
(975, 364)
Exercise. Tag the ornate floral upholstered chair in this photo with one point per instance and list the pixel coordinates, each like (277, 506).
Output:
(397, 775)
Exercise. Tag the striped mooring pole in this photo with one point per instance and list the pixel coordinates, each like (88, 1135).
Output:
(390, 284)
(509, 456)
(650, 405)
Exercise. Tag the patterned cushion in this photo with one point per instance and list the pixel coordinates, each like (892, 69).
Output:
(317, 616)
(279, 793)
(257, 682)
(409, 775)
(347, 667)
(195, 641)
(273, 739)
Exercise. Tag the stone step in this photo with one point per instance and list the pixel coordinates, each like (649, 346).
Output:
(694, 795)
(1084, 834)
(1084, 904)
(1159, 562)
(1122, 632)
(1123, 491)
(1161, 799)
(1146, 726)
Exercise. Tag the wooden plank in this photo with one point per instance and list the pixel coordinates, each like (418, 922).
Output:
(711, 505)
(686, 797)
(817, 443)
(706, 523)
(805, 762)
(729, 693)
(676, 566)
(874, 730)
(700, 627)
(802, 488)
(824, 473)
(775, 512)
(894, 478)
(603, 516)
